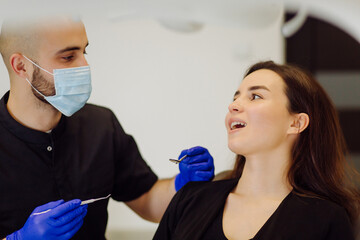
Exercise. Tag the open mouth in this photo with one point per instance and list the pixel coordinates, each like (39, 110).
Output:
(236, 125)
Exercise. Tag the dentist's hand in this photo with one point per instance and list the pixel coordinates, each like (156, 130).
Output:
(60, 223)
(197, 166)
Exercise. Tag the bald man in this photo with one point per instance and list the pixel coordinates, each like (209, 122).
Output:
(56, 150)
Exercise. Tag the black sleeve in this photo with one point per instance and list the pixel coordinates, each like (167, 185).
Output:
(133, 177)
(340, 226)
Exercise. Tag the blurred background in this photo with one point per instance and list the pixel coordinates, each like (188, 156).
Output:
(169, 69)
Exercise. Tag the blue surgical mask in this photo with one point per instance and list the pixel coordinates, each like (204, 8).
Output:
(72, 88)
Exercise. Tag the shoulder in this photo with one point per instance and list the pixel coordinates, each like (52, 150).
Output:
(320, 211)
(96, 119)
(93, 114)
(317, 205)
(198, 187)
(203, 191)
(329, 218)
(92, 110)
(310, 218)
(193, 208)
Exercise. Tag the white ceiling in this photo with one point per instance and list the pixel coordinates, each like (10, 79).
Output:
(194, 13)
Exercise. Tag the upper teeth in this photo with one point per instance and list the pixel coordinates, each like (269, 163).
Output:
(233, 124)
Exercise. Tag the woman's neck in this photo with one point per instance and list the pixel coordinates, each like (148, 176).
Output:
(265, 175)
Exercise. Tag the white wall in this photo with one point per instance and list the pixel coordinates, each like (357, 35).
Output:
(170, 90)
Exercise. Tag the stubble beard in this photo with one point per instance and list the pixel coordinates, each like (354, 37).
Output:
(44, 86)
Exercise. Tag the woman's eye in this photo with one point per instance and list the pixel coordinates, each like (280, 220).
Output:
(255, 96)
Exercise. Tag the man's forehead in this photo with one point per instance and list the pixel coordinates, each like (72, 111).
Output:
(40, 22)
(62, 36)
(44, 35)
(37, 28)
(51, 25)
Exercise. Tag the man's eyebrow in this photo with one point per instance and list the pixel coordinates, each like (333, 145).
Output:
(252, 88)
(70, 49)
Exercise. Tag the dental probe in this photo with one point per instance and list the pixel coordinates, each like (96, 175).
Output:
(176, 161)
(82, 203)
(94, 200)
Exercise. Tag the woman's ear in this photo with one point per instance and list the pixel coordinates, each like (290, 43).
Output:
(299, 123)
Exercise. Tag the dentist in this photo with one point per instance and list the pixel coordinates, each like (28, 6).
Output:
(54, 145)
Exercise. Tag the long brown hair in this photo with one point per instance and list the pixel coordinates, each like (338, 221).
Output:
(319, 167)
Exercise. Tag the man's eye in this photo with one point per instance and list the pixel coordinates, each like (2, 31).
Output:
(68, 58)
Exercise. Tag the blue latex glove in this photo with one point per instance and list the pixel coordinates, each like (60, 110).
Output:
(197, 166)
(60, 223)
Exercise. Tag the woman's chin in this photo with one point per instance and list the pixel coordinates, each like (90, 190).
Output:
(235, 148)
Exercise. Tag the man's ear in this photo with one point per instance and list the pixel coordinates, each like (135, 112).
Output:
(19, 65)
(299, 124)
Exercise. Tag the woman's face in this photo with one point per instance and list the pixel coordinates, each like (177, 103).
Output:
(258, 118)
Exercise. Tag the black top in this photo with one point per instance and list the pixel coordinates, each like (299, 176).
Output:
(88, 155)
(196, 213)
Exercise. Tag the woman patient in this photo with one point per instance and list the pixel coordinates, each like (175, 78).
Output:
(290, 179)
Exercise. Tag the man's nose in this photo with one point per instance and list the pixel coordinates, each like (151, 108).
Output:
(83, 61)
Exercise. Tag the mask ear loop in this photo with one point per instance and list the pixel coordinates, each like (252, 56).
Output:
(35, 88)
(38, 65)
(30, 82)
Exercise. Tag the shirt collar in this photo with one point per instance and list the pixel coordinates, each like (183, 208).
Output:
(27, 134)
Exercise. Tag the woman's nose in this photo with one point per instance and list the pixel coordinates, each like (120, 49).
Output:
(235, 106)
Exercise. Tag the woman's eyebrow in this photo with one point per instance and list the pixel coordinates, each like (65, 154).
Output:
(252, 88)
(236, 93)
(258, 87)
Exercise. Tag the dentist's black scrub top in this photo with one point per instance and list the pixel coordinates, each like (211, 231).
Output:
(196, 213)
(88, 155)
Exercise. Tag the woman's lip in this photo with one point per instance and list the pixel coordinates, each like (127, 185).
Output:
(234, 130)
(232, 120)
